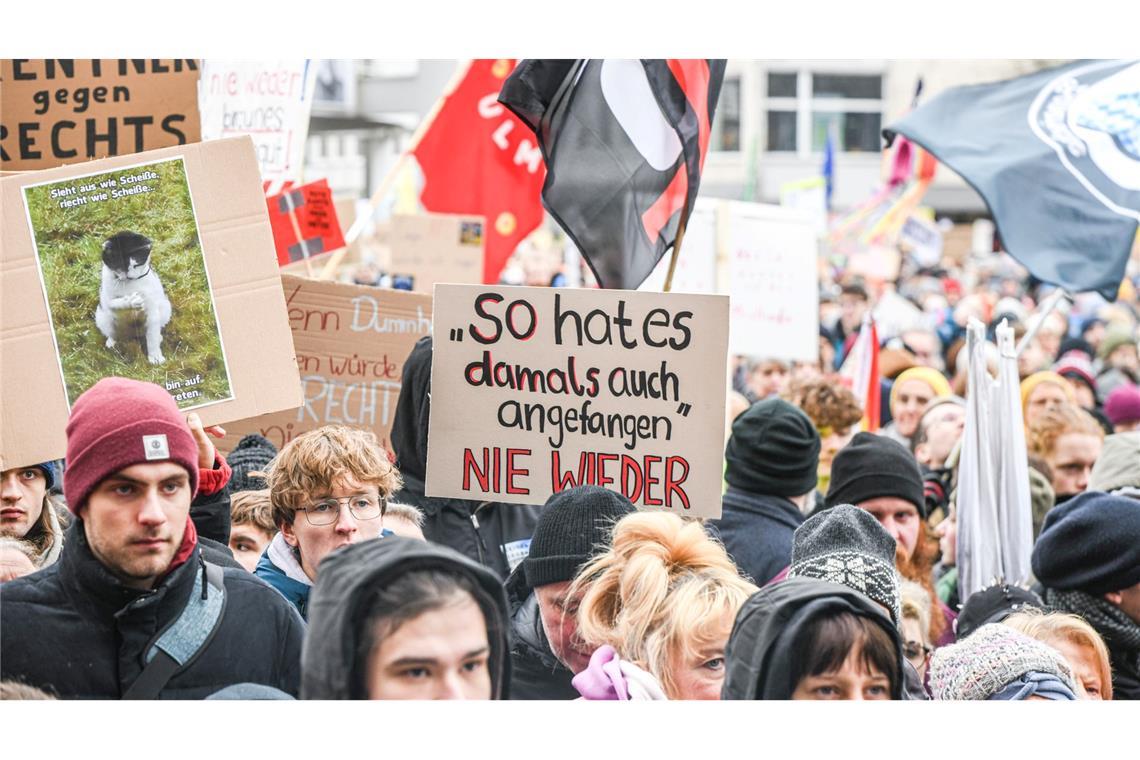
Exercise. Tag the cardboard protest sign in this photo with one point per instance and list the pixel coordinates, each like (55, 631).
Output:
(773, 282)
(535, 390)
(350, 342)
(270, 101)
(133, 231)
(304, 222)
(433, 248)
(225, 345)
(696, 270)
(65, 111)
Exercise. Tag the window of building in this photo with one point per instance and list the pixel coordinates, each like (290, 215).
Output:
(803, 106)
(726, 120)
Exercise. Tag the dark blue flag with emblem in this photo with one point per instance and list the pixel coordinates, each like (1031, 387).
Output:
(624, 143)
(1056, 157)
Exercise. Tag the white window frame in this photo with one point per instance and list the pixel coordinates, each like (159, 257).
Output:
(804, 105)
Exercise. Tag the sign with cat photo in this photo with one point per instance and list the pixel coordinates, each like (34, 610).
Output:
(158, 267)
(127, 242)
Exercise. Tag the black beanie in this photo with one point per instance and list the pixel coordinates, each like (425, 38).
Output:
(1090, 543)
(871, 467)
(574, 525)
(774, 450)
(252, 454)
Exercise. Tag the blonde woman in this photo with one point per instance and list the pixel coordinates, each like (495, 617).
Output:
(657, 609)
(1077, 641)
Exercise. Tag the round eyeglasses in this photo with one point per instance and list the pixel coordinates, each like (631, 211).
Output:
(364, 506)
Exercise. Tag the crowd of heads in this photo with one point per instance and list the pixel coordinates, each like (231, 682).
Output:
(832, 573)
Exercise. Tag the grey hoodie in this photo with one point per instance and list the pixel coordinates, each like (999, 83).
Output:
(336, 605)
(1118, 465)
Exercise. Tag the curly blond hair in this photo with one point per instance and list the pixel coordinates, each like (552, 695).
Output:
(830, 406)
(1053, 423)
(663, 589)
(308, 467)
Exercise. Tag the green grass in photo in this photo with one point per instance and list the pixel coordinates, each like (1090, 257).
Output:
(69, 242)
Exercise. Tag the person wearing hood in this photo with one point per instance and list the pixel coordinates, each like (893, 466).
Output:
(546, 651)
(328, 487)
(135, 607)
(400, 618)
(772, 469)
(493, 534)
(29, 513)
(810, 639)
(1088, 561)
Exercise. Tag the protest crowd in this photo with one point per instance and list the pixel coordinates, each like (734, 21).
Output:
(146, 562)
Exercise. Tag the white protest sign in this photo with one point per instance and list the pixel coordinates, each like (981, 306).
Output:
(269, 100)
(924, 239)
(696, 261)
(535, 390)
(773, 282)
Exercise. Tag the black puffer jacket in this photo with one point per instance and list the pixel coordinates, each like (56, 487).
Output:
(338, 602)
(758, 662)
(493, 534)
(535, 672)
(75, 631)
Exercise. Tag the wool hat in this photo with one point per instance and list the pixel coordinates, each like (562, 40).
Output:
(873, 466)
(118, 423)
(252, 454)
(1090, 543)
(993, 605)
(774, 450)
(932, 377)
(573, 526)
(846, 545)
(1045, 376)
(1075, 366)
(1118, 465)
(51, 473)
(1123, 404)
(1077, 346)
(1115, 336)
(983, 665)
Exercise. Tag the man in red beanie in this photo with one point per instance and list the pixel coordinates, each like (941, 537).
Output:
(133, 609)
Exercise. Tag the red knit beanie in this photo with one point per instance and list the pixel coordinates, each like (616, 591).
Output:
(118, 423)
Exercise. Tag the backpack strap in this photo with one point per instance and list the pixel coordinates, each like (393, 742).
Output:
(185, 638)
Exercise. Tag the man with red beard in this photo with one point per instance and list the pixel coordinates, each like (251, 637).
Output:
(134, 608)
(880, 476)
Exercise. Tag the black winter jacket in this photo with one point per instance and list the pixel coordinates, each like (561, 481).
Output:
(493, 534)
(535, 672)
(757, 532)
(75, 631)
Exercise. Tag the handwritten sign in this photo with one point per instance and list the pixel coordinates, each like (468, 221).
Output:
(65, 111)
(268, 100)
(433, 248)
(351, 342)
(313, 218)
(773, 283)
(536, 390)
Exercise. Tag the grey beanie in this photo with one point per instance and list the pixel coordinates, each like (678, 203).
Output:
(1118, 465)
(846, 545)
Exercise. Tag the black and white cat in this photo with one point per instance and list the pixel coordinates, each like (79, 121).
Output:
(131, 287)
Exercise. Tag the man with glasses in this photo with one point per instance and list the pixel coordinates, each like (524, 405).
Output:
(328, 488)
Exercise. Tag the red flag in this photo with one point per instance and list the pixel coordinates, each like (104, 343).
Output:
(478, 158)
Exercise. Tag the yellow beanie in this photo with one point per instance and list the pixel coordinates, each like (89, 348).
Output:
(931, 377)
(1031, 382)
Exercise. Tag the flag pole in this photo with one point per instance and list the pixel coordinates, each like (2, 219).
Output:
(1045, 310)
(390, 178)
(673, 256)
